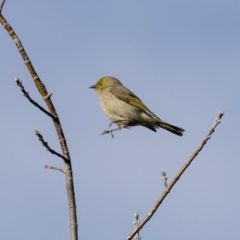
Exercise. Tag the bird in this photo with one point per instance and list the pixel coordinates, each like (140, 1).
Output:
(125, 109)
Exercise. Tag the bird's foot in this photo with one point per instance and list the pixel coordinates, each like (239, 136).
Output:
(110, 131)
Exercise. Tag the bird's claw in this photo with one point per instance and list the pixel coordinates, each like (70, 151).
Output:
(106, 132)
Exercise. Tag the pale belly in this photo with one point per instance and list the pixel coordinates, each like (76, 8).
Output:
(117, 110)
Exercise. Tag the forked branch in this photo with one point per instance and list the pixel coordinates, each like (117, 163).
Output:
(63, 143)
(177, 177)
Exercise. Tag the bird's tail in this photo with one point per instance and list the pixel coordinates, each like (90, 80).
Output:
(171, 128)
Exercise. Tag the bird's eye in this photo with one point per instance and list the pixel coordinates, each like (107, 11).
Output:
(100, 84)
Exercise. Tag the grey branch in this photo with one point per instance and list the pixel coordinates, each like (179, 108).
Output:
(54, 168)
(177, 177)
(1, 6)
(26, 94)
(45, 144)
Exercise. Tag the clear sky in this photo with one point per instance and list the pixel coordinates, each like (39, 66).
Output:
(182, 59)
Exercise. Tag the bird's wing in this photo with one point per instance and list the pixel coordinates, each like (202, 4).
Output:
(130, 98)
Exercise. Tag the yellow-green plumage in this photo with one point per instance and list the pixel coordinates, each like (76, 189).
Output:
(125, 109)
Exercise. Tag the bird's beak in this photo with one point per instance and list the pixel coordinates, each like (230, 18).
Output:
(93, 86)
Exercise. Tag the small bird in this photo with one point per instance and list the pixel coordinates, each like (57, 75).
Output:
(125, 109)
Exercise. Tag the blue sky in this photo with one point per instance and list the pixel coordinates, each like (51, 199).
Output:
(181, 58)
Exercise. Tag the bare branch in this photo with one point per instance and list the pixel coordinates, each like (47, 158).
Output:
(26, 94)
(1, 6)
(177, 177)
(62, 140)
(54, 168)
(45, 144)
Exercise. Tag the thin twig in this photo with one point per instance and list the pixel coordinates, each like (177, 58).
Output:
(54, 168)
(26, 94)
(177, 177)
(45, 144)
(164, 179)
(136, 224)
(1, 6)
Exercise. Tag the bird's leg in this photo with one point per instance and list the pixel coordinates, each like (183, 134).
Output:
(119, 127)
(117, 121)
(110, 131)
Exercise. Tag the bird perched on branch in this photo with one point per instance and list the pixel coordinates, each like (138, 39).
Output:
(125, 109)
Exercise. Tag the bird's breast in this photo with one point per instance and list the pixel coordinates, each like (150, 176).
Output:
(115, 108)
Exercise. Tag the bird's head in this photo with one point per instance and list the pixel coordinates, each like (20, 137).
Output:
(104, 83)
